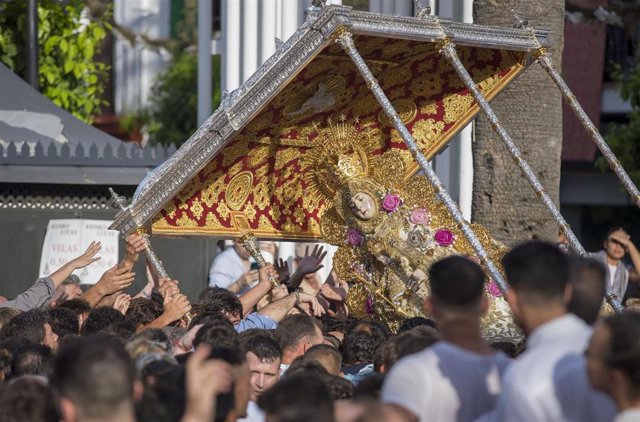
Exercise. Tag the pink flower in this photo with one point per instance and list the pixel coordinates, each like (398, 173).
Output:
(354, 237)
(419, 216)
(493, 289)
(444, 237)
(391, 202)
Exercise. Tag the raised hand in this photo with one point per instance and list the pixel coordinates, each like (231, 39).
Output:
(329, 293)
(122, 303)
(316, 309)
(266, 272)
(245, 280)
(135, 244)
(175, 307)
(168, 287)
(88, 257)
(205, 379)
(311, 262)
(282, 267)
(279, 292)
(185, 344)
(114, 280)
(623, 239)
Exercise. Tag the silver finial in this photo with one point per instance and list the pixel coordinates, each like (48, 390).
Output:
(117, 201)
(421, 11)
(519, 21)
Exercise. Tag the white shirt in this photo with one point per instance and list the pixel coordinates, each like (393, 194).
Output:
(612, 274)
(629, 415)
(254, 414)
(226, 268)
(446, 383)
(537, 386)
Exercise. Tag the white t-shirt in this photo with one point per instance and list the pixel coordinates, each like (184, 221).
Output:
(446, 383)
(226, 268)
(612, 274)
(548, 381)
(629, 415)
(254, 413)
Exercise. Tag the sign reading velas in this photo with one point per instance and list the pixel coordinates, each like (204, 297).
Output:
(68, 239)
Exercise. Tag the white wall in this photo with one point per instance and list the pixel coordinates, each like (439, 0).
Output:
(135, 68)
(249, 30)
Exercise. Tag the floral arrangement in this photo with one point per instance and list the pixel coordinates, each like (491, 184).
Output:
(354, 237)
(444, 238)
(391, 202)
(493, 289)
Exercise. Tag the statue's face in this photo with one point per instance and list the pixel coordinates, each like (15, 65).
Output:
(363, 206)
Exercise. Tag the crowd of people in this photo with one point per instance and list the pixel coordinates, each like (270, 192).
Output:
(248, 350)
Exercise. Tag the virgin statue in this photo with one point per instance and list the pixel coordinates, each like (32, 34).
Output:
(390, 228)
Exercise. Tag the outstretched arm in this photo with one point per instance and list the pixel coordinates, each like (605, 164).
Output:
(280, 308)
(311, 263)
(42, 290)
(88, 257)
(113, 280)
(253, 296)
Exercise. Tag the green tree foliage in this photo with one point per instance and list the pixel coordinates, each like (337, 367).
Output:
(68, 40)
(624, 139)
(171, 117)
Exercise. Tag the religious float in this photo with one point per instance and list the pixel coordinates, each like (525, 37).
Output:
(325, 140)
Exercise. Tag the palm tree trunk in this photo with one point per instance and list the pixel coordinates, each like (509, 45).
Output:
(531, 111)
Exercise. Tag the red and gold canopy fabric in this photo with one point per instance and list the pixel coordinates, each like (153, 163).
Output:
(257, 181)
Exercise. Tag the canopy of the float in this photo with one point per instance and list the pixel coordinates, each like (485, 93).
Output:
(244, 168)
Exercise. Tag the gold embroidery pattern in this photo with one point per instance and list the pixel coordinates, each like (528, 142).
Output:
(406, 109)
(238, 190)
(272, 146)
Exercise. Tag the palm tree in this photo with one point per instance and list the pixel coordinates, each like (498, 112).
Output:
(531, 111)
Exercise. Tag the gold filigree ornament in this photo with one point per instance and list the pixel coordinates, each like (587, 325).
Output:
(238, 190)
(406, 109)
(389, 229)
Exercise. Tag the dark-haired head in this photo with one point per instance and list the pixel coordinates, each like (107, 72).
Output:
(99, 319)
(238, 398)
(27, 399)
(538, 277)
(457, 284)
(361, 343)
(94, 378)
(142, 312)
(539, 271)
(33, 325)
(297, 333)
(613, 357)
(216, 299)
(588, 281)
(410, 323)
(32, 359)
(64, 322)
(296, 394)
(217, 334)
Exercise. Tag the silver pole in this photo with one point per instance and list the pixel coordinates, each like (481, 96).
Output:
(205, 92)
(120, 203)
(543, 57)
(345, 40)
(449, 51)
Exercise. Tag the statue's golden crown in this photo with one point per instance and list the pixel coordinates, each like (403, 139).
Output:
(338, 157)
